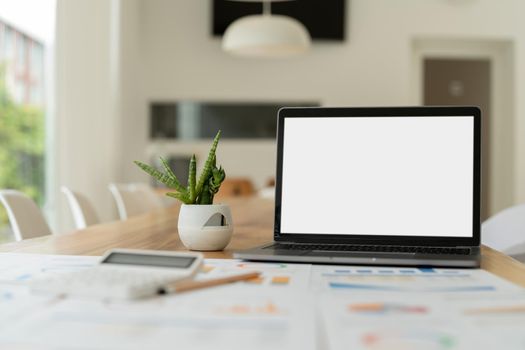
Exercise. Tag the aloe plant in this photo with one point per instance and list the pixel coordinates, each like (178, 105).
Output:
(201, 192)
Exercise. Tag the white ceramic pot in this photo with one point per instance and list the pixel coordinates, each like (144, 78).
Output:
(205, 227)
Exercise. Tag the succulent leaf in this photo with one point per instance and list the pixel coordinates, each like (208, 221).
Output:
(192, 178)
(171, 182)
(181, 197)
(206, 171)
(167, 167)
(202, 192)
(205, 197)
(216, 179)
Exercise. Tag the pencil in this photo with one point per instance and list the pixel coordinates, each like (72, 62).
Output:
(186, 286)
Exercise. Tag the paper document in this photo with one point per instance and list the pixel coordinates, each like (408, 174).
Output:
(291, 306)
(259, 314)
(393, 321)
(16, 302)
(21, 268)
(207, 319)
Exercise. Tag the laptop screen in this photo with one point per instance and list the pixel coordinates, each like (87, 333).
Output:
(385, 176)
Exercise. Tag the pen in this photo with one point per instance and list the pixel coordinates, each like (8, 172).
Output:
(186, 286)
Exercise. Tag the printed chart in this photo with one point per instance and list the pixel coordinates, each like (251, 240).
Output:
(274, 275)
(426, 280)
(428, 321)
(21, 268)
(203, 320)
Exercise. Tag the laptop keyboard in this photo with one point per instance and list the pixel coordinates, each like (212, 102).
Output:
(371, 248)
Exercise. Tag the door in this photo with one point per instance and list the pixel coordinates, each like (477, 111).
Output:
(463, 82)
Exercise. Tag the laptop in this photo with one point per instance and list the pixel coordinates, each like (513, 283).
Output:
(377, 186)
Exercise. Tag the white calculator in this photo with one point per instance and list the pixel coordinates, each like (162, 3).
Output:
(124, 274)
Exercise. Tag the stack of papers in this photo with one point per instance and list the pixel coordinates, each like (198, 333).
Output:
(291, 306)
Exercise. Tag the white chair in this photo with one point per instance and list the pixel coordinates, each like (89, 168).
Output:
(27, 220)
(134, 199)
(84, 214)
(505, 232)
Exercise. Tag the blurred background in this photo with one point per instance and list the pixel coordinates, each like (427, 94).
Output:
(88, 86)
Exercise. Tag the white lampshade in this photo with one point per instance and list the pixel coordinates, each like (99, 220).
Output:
(266, 36)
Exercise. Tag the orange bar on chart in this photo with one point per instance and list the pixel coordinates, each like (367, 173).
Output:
(256, 280)
(281, 280)
(497, 310)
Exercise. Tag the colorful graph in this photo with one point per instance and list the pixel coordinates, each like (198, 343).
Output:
(264, 266)
(407, 340)
(372, 287)
(427, 273)
(424, 279)
(6, 296)
(386, 308)
(245, 309)
(500, 310)
(273, 280)
(274, 275)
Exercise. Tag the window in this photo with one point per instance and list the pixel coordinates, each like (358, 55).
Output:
(195, 120)
(21, 53)
(36, 72)
(22, 98)
(9, 43)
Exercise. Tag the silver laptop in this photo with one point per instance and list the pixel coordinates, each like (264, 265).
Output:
(377, 186)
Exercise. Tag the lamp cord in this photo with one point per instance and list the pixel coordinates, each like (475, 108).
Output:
(267, 7)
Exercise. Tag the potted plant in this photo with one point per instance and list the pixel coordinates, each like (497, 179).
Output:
(202, 225)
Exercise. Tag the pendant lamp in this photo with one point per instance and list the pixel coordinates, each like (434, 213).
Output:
(266, 35)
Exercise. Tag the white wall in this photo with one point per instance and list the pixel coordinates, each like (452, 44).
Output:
(85, 134)
(167, 53)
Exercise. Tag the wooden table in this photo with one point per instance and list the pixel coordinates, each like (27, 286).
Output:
(253, 220)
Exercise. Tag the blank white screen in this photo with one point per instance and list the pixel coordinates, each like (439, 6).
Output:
(408, 176)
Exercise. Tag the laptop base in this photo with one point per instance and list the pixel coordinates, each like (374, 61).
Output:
(266, 253)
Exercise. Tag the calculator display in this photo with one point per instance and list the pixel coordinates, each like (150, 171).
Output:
(181, 262)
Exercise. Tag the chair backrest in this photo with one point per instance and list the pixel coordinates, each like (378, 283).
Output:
(84, 214)
(27, 220)
(505, 230)
(134, 199)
